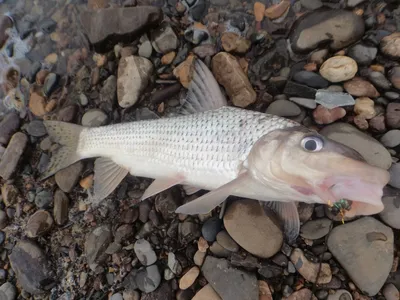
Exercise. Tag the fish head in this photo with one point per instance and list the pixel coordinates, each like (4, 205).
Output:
(302, 165)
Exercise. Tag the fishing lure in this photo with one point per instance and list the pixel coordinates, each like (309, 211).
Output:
(340, 207)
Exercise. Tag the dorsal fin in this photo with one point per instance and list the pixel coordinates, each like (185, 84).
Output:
(204, 92)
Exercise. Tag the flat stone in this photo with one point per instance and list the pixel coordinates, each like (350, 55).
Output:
(363, 54)
(145, 49)
(8, 126)
(361, 88)
(379, 80)
(225, 240)
(39, 224)
(395, 175)
(145, 252)
(67, 178)
(8, 291)
(316, 229)
(60, 211)
(253, 229)
(338, 68)
(229, 282)
(32, 269)
(12, 155)
(311, 79)
(393, 115)
(107, 27)
(283, 108)
(331, 99)
(308, 103)
(189, 278)
(94, 118)
(338, 26)
(391, 138)
(96, 244)
(372, 151)
(206, 293)
(363, 247)
(164, 39)
(219, 251)
(391, 212)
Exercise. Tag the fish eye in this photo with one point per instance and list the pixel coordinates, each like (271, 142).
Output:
(312, 143)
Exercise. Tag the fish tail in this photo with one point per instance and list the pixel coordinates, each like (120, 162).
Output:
(68, 136)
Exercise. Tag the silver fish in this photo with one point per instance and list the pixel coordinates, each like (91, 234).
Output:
(226, 150)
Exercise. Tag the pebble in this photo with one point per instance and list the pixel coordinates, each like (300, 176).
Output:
(205, 50)
(145, 252)
(311, 79)
(131, 295)
(168, 58)
(232, 42)
(379, 80)
(308, 103)
(362, 54)
(43, 199)
(224, 239)
(389, 291)
(164, 39)
(231, 76)
(8, 126)
(10, 194)
(365, 107)
(316, 229)
(253, 229)
(199, 258)
(340, 295)
(259, 9)
(67, 178)
(96, 244)
(174, 264)
(117, 296)
(39, 224)
(123, 233)
(332, 99)
(8, 291)
(36, 128)
(148, 279)
(394, 76)
(283, 108)
(37, 104)
(302, 294)
(108, 92)
(45, 144)
(94, 118)
(210, 229)
(277, 10)
(378, 124)
(309, 270)
(87, 182)
(364, 240)
(145, 49)
(218, 250)
(207, 293)
(189, 278)
(391, 138)
(31, 267)
(371, 150)
(390, 45)
(50, 84)
(361, 88)
(83, 99)
(311, 4)
(395, 175)
(67, 114)
(12, 155)
(392, 115)
(3, 219)
(133, 77)
(184, 71)
(323, 115)
(392, 95)
(298, 90)
(338, 68)
(229, 282)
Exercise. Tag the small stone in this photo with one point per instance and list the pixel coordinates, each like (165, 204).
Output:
(45, 144)
(164, 39)
(365, 107)
(3, 219)
(117, 296)
(311, 79)
(393, 115)
(283, 108)
(145, 49)
(331, 99)
(184, 71)
(50, 84)
(390, 44)
(230, 75)
(316, 229)
(338, 68)
(51, 58)
(36, 128)
(10, 194)
(174, 264)
(43, 199)
(298, 90)
(232, 42)
(364, 240)
(83, 99)
(323, 115)
(12, 155)
(227, 242)
(340, 295)
(8, 291)
(131, 295)
(189, 278)
(206, 293)
(87, 182)
(67, 178)
(394, 77)
(39, 224)
(123, 233)
(378, 124)
(309, 270)
(94, 118)
(389, 291)
(363, 54)
(264, 290)
(319, 56)
(8, 126)
(259, 9)
(148, 279)
(308, 103)
(96, 244)
(211, 228)
(394, 175)
(199, 258)
(168, 58)
(361, 122)
(391, 138)
(361, 88)
(145, 252)
(218, 250)
(205, 50)
(277, 10)
(303, 294)
(67, 114)
(379, 80)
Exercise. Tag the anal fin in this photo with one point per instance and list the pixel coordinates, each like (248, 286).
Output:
(107, 176)
(162, 184)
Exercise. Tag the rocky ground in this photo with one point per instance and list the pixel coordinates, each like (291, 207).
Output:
(331, 65)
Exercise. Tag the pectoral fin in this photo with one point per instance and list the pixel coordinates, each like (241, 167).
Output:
(287, 212)
(161, 184)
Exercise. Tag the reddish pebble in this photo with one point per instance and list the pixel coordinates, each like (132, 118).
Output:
(361, 122)
(323, 115)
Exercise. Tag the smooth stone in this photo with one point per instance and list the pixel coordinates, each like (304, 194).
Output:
(365, 107)
(218, 250)
(323, 115)
(390, 45)
(199, 257)
(372, 151)
(394, 76)
(332, 100)
(395, 175)
(67, 178)
(225, 240)
(392, 95)
(361, 246)
(391, 138)
(283, 108)
(311, 4)
(164, 39)
(144, 252)
(308, 103)
(316, 229)
(379, 80)
(340, 295)
(94, 118)
(8, 126)
(50, 84)
(229, 282)
(8, 291)
(324, 25)
(299, 90)
(145, 49)
(391, 212)
(338, 68)
(207, 293)
(148, 279)
(210, 229)
(36, 128)
(303, 294)
(362, 54)
(43, 199)
(45, 144)
(96, 244)
(360, 88)
(174, 264)
(123, 233)
(60, 210)
(117, 296)
(393, 115)
(253, 229)
(83, 99)
(311, 79)
(32, 268)
(12, 155)
(389, 291)
(39, 224)
(189, 278)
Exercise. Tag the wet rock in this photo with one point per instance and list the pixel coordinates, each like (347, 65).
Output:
(330, 99)
(145, 252)
(94, 118)
(206, 293)
(224, 239)
(340, 27)
(96, 244)
(323, 115)
(12, 155)
(316, 229)
(389, 291)
(133, 77)
(164, 39)
(365, 107)
(391, 138)
(309, 270)
(189, 278)
(391, 212)
(390, 45)
(372, 151)
(148, 279)
(303, 294)
(106, 27)
(211, 228)
(308, 103)
(232, 42)
(283, 108)
(392, 115)
(67, 178)
(394, 175)
(230, 75)
(39, 224)
(31, 267)
(8, 126)
(60, 211)
(379, 80)
(229, 282)
(36, 128)
(394, 76)
(8, 291)
(361, 241)
(361, 88)
(338, 68)
(253, 229)
(311, 79)
(299, 90)
(363, 54)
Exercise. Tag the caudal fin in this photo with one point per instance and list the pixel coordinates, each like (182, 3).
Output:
(67, 135)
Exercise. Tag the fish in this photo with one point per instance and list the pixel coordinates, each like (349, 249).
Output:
(227, 151)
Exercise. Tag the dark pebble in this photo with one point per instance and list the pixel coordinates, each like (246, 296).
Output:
(392, 95)
(48, 26)
(43, 199)
(36, 128)
(8, 126)
(211, 228)
(299, 90)
(379, 80)
(144, 210)
(393, 115)
(363, 54)
(270, 271)
(43, 162)
(2, 237)
(335, 283)
(3, 274)
(287, 291)
(35, 68)
(50, 83)
(322, 294)
(280, 259)
(248, 262)
(311, 79)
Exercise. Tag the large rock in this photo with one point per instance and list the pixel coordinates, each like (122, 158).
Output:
(12, 155)
(364, 248)
(107, 27)
(33, 270)
(133, 76)
(372, 151)
(229, 282)
(8, 126)
(339, 27)
(252, 228)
